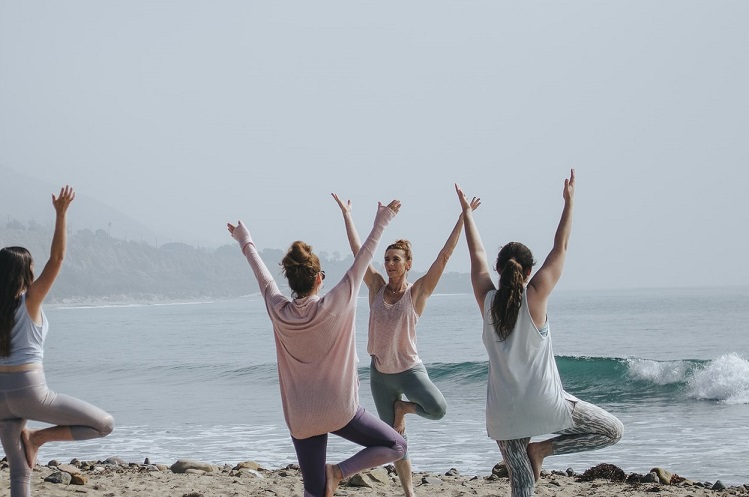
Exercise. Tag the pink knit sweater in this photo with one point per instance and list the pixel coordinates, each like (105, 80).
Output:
(316, 341)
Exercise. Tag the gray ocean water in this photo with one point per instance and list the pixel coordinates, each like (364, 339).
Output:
(198, 380)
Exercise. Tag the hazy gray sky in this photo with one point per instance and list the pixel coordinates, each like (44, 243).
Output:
(185, 115)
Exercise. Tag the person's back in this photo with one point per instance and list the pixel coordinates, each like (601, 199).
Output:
(23, 388)
(525, 397)
(26, 337)
(515, 322)
(317, 363)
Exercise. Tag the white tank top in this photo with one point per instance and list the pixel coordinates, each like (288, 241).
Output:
(524, 395)
(26, 338)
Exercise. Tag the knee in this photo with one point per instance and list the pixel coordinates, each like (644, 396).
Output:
(435, 410)
(441, 410)
(107, 425)
(616, 430)
(438, 412)
(611, 430)
(401, 448)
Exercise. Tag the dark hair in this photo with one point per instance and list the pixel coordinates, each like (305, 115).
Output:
(300, 266)
(513, 263)
(403, 245)
(17, 276)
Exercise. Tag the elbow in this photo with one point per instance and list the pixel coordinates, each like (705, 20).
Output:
(56, 259)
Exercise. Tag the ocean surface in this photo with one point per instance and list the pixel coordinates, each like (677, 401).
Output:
(198, 380)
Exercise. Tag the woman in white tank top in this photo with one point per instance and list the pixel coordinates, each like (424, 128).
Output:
(525, 397)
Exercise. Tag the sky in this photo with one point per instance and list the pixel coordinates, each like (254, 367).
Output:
(184, 115)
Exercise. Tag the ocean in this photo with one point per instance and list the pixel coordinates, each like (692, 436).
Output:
(198, 380)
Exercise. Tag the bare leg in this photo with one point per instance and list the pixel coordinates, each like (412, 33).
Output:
(333, 477)
(537, 452)
(401, 409)
(403, 467)
(33, 439)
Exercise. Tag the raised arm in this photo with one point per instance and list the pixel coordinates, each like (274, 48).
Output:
(424, 286)
(481, 279)
(372, 278)
(543, 282)
(43, 284)
(264, 279)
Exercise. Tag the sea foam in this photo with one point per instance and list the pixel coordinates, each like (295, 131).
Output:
(725, 379)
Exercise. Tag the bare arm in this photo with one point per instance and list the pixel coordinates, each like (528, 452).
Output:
(481, 279)
(372, 278)
(43, 284)
(424, 286)
(541, 285)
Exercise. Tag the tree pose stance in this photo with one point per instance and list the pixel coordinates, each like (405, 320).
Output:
(395, 306)
(317, 363)
(23, 388)
(525, 397)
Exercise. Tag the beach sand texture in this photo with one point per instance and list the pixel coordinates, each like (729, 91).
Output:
(250, 480)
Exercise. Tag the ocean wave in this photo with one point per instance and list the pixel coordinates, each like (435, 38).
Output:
(628, 380)
(725, 379)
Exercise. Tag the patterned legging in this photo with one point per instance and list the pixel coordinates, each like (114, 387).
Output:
(593, 428)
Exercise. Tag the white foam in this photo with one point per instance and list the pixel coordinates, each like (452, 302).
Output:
(725, 379)
(660, 373)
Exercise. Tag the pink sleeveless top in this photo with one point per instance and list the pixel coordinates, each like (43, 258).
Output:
(392, 333)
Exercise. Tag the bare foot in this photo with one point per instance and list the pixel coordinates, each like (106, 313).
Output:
(333, 477)
(537, 452)
(30, 449)
(401, 408)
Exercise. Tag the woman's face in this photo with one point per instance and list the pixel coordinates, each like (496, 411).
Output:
(396, 264)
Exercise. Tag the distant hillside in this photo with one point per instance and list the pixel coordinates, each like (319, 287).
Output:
(27, 201)
(100, 267)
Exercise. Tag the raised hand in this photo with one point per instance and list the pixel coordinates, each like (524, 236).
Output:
(464, 203)
(569, 187)
(394, 205)
(344, 207)
(62, 201)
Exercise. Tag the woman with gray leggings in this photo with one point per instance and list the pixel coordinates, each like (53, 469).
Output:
(23, 389)
(399, 380)
(525, 397)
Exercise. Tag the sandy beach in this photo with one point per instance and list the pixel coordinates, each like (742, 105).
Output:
(186, 478)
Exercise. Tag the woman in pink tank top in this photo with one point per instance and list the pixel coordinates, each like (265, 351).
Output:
(395, 306)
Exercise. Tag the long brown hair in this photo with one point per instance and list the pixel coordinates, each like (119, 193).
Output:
(300, 266)
(17, 276)
(514, 261)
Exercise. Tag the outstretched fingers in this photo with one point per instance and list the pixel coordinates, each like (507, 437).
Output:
(394, 205)
(345, 207)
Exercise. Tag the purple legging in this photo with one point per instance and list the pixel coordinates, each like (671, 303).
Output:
(382, 445)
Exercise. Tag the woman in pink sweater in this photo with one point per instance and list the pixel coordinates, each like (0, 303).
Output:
(317, 363)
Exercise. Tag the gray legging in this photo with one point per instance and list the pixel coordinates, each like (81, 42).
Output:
(593, 428)
(415, 384)
(23, 396)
